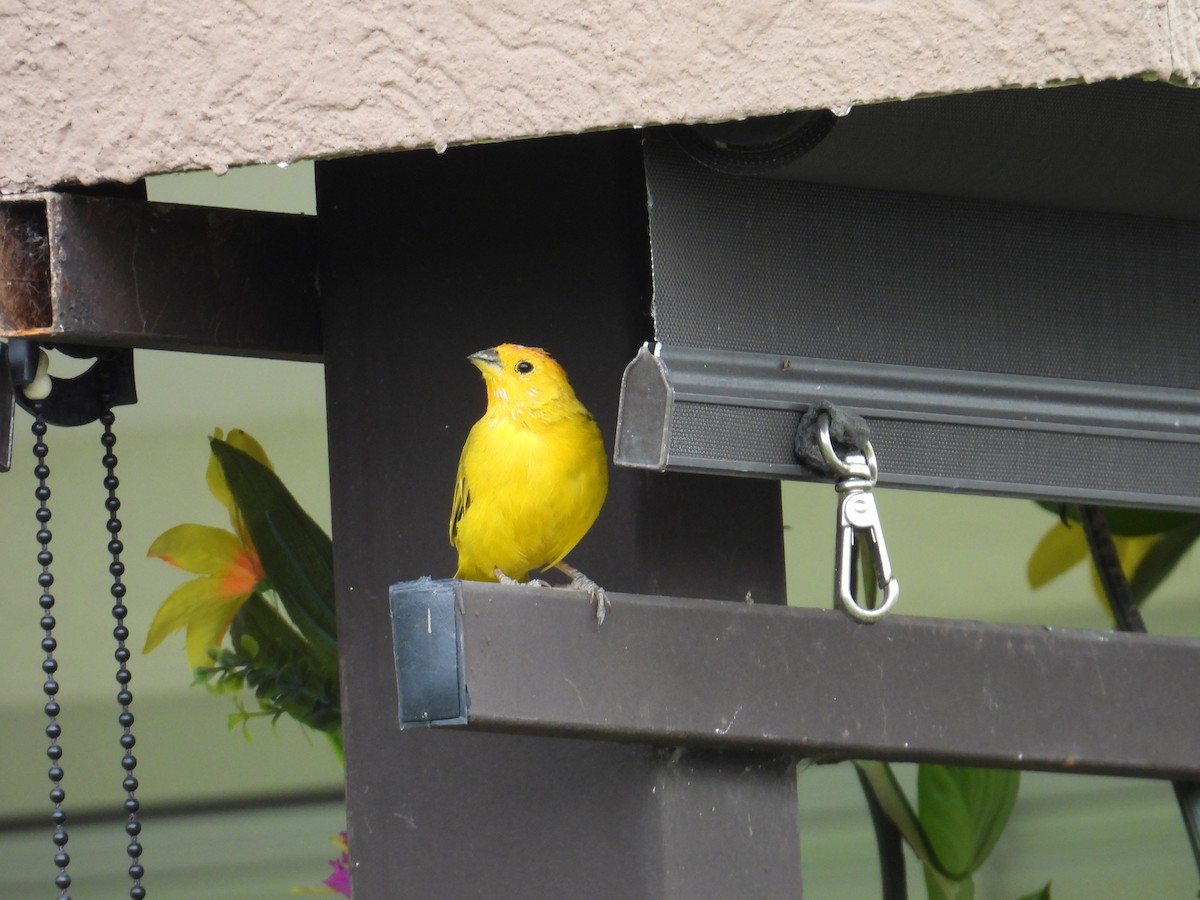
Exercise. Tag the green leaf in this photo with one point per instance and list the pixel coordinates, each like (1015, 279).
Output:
(892, 800)
(1043, 894)
(1134, 522)
(963, 812)
(938, 888)
(263, 636)
(335, 740)
(249, 645)
(1162, 558)
(939, 882)
(296, 554)
(285, 674)
(1129, 522)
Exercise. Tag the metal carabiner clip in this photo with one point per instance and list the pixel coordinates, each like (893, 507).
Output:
(857, 514)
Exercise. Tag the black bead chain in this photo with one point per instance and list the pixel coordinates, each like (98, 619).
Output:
(133, 828)
(58, 817)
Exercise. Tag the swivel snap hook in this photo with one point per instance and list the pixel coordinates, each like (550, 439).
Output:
(857, 515)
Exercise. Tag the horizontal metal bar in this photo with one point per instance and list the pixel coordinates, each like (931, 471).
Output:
(915, 393)
(114, 272)
(813, 683)
(720, 411)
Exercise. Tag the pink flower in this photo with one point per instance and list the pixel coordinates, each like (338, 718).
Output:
(338, 881)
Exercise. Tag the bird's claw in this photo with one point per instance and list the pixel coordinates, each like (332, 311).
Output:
(596, 595)
(504, 579)
(598, 598)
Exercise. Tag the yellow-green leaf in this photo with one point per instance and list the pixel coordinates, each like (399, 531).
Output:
(1060, 548)
(199, 549)
(214, 475)
(199, 606)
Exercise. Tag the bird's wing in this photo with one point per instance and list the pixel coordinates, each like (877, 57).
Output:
(462, 499)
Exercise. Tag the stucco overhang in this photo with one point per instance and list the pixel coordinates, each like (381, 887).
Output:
(116, 90)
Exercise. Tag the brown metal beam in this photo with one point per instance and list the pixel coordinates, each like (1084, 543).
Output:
(114, 272)
(541, 242)
(812, 683)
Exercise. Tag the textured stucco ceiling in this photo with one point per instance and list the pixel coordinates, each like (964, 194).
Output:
(113, 91)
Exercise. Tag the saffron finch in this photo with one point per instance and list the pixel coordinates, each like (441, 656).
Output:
(532, 477)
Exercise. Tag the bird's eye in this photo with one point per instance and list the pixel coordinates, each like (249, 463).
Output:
(524, 367)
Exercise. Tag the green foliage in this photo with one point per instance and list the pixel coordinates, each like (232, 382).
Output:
(289, 658)
(962, 813)
(296, 554)
(1163, 557)
(1125, 521)
(1166, 537)
(893, 801)
(272, 659)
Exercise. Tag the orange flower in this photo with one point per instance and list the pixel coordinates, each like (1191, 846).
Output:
(226, 562)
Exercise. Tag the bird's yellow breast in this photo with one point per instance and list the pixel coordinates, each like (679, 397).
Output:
(526, 493)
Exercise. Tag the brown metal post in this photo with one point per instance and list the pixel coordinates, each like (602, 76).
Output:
(424, 259)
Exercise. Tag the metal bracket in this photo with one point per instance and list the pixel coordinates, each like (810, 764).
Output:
(100, 270)
(71, 401)
(428, 654)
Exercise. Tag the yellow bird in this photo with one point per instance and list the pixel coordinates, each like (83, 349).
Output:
(532, 477)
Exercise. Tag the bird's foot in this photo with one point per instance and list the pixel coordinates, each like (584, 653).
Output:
(596, 594)
(504, 579)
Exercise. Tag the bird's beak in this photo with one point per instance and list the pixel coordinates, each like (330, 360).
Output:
(485, 359)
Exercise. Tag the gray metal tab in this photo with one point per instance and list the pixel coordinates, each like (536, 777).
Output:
(644, 414)
(425, 638)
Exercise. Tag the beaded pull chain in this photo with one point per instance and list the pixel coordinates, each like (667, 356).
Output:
(116, 569)
(54, 751)
(133, 827)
